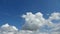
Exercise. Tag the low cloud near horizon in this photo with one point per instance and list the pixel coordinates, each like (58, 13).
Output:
(35, 24)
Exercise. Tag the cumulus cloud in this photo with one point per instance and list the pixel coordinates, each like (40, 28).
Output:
(33, 21)
(35, 24)
(7, 29)
(55, 16)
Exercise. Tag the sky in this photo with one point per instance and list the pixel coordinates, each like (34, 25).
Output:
(29, 16)
(12, 10)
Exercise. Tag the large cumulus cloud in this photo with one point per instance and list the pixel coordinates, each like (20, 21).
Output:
(35, 24)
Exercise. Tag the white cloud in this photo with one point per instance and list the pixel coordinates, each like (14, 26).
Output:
(25, 32)
(56, 18)
(36, 21)
(34, 24)
(55, 15)
(6, 25)
(7, 29)
(31, 32)
(33, 21)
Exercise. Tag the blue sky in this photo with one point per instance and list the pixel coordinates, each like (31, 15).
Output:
(12, 10)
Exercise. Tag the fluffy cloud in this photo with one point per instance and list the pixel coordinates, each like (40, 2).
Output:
(55, 15)
(7, 29)
(35, 21)
(35, 24)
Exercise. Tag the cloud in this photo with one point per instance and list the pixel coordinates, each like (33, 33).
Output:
(35, 24)
(7, 29)
(31, 32)
(55, 15)
(33, 21)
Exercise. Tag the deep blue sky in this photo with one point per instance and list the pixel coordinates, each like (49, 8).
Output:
(12, 10)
